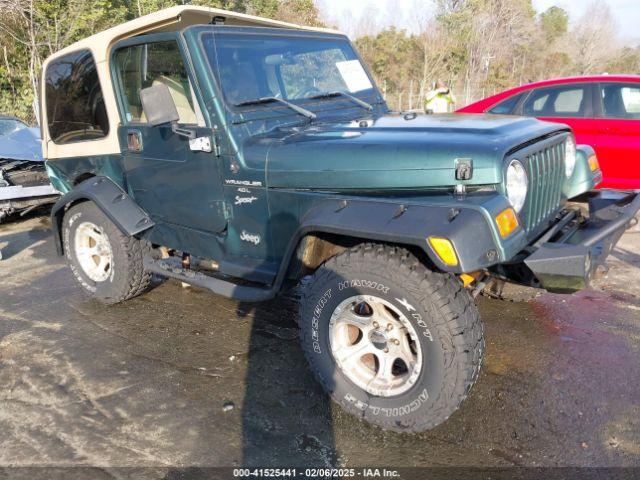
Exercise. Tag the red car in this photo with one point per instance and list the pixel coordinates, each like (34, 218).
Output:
(602, 110)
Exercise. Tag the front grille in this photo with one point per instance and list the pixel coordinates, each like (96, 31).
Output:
(545, 168)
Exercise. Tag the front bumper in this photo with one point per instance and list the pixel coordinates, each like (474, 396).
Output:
(568, 254)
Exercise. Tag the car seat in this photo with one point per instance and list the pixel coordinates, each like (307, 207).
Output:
(613, 104)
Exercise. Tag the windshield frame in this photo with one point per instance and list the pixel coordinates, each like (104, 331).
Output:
(371, 95)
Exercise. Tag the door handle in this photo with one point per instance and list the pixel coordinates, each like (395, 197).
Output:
(134, 141)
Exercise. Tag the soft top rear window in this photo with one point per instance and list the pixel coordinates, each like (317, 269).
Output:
(75, 105)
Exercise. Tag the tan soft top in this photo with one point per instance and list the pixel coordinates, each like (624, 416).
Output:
(169, 19)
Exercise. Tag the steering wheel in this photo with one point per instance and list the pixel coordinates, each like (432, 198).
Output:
(309, 92)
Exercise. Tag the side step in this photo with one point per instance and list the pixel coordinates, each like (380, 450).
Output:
(243, 293)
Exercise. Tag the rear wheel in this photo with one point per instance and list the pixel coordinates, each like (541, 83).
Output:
(394, 343)
(106, 263)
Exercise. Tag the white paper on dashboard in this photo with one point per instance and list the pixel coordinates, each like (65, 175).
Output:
(354, 75)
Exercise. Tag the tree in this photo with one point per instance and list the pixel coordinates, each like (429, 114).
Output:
(554, 22)
(626, 60)
(594, 39)
(31, 30)
(393, 55)
(303, 12)
(477, 46)
(486, 35)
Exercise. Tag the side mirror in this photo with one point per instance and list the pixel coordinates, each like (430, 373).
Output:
(158, 105)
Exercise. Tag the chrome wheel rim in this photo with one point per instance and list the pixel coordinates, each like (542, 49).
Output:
(375, 346)
(93, 251)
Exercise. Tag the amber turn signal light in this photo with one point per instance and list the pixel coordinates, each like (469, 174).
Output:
(593, 163)
(507, 221)
(444, 249)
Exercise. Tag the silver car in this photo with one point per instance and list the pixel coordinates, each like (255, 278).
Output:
(24, 184)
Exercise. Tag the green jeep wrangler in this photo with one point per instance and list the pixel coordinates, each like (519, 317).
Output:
(246, 156)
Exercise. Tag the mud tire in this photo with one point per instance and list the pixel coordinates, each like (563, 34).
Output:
(128, 278)
(445, 317)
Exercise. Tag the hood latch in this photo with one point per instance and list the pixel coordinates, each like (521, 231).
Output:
(464, 168)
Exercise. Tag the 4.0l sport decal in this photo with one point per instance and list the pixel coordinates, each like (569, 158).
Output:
(244, 200)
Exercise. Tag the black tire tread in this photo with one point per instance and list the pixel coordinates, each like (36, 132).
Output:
(138, 279)
(456, 318)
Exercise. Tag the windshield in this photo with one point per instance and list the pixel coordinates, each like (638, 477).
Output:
(255, 66)
(10, 125)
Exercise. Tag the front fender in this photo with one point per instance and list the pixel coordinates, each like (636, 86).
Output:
(583, 179)
(116, 204)
(410, 224)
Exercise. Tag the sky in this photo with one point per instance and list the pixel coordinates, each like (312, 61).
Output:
(351, 15)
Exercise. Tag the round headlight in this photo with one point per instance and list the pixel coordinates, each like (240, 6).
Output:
(570, 155)
(517, 184)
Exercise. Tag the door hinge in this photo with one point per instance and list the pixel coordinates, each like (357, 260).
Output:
(217, 149)
(224, 209)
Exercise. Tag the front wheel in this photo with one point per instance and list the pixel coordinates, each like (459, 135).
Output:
(393, 343)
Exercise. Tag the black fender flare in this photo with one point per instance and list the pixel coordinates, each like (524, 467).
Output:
(404, 224)
(116, 204)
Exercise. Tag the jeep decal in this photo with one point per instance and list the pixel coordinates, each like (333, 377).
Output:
(250, 237)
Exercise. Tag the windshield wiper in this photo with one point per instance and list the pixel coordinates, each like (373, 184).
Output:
(362, 103)
(292, 106)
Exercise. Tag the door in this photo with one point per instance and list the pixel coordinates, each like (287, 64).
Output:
(618, 140)
(570, 103)
(178, 187)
